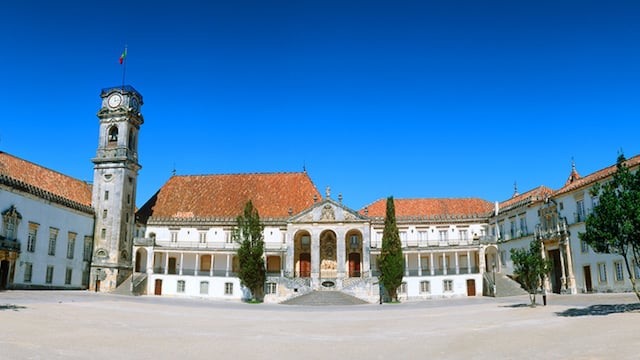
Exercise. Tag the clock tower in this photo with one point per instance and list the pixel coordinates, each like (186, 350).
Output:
(115, 174)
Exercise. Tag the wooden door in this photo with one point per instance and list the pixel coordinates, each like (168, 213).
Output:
(354, 265)
(172, 265)
(158, 287)
(587, 278)
(305, 265)
(471, 287)
(205, 263)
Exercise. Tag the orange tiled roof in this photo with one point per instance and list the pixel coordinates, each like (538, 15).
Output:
(431, 207)
(45, 179)
(224, 196)
(596, 176)
(536, 194)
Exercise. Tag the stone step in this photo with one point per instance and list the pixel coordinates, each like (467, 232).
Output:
(505, 286)
(324, 298)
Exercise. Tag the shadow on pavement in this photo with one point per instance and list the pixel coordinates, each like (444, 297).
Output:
(11, 307)
(519, 305)
(600, 310)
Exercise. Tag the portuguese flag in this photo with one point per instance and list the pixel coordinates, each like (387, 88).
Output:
(124, 55)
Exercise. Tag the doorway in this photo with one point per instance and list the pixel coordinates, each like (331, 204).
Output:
(354, 265)
(305, 265)
(587, 278)
(556, 271)
(158, 287)
(172, 265)
(4, 274)
(471, 287)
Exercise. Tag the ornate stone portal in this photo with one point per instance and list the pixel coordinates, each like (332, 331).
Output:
(328, 261)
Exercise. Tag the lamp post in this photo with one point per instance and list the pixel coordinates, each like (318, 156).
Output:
(495, 290)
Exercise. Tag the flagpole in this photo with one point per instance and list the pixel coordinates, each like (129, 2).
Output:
(124, 65)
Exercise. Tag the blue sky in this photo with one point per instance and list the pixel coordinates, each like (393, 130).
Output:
(375, 98)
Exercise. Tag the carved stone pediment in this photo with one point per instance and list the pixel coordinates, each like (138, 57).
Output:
(327, 211)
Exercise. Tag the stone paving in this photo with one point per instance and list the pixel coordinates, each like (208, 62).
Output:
(73, 325)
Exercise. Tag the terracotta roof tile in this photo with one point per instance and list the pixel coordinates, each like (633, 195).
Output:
(224, 196)
(536, 194)
(45, 179)
(596, 176)
(431, 207)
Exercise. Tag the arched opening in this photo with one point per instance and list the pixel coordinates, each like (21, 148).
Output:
(492, 261)
(353, 248)
(131, 138)
(112, 137)
(141, 260)
(302, 254)
(328, 261)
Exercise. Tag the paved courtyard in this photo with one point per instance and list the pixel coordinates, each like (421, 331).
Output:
(71, 325)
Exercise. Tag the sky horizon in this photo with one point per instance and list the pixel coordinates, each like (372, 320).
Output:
(411, 99)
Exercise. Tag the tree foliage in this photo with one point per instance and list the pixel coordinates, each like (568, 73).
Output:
(249, 234)
(614, 225)
(391, 261)
(530, 268)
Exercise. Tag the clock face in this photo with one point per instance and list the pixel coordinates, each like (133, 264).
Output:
(114, 100)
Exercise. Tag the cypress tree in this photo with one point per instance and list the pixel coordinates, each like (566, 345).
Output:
(391, 261)
(249, 234)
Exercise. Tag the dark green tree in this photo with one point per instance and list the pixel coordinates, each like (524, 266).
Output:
(249, 234)
(530, 268)
(391, 261)
(614, 225)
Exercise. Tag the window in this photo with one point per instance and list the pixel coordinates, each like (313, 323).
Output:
(106, 195)
(204, 287)
(86, 253)
(71, 245)
(270, 288)
(444, 236)
(602, 272)
(228, 288)
(447, 285)
(513, 228)
(49, 278)
(594, 201)
(354, 242)
(53, 236)
(113, 135)
(580, 210)
(584, 247)
(174, 236)
(464, 235)
(617, 265)
(203, 237)
(67, 276)
(423, 235)
(425, 287)
(31, 238)
(500, 229)
(180, 287)
(103, 233)
(523, 226)
(229, 237)
(28, 268)
(104, 214)
(10, 219)
(402, 289)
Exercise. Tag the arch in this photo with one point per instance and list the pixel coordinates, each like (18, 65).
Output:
(353, 252)
(141, 260)
(112, 137)
(492, 259)
(302, 254)
(328, 256)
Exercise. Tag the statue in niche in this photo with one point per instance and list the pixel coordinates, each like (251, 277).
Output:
(327, 213)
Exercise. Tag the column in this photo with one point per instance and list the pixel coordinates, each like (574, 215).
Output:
(481, 260)
(572, 280)
(226, 271)
(283, 258)
(166, 263)
(150, 262)
(564, 275)
(444, 264)
(341, 250)
(419, 264)
(433, 268)
(195, 271)
(181, 262)
(366, 250)
(406, 264)
(213, 256)
(455, 255)
(468, 262)
(290, 259)
(315, 259)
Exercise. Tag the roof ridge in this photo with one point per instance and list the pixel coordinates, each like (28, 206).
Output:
(246, 173)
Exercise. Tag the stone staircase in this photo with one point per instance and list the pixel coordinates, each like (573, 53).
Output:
(324, 298)
(505, 286)
(139, 285)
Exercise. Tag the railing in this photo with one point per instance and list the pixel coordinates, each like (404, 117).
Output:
(436, 272)
(560, 231)
(217, 245)
(11, 245)
(423, 243)
(139, 241)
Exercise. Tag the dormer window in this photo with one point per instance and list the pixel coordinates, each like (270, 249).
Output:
(112, 138)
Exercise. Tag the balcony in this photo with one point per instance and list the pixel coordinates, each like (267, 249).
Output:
(551, 233)
(196, 245)
(138, 241)
(10, 245)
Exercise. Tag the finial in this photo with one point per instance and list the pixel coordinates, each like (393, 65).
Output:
(340, 198)
(328, 192)
(290, 211)
(315, 198)
(366, 211)
(515, 188)
(573, 164)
